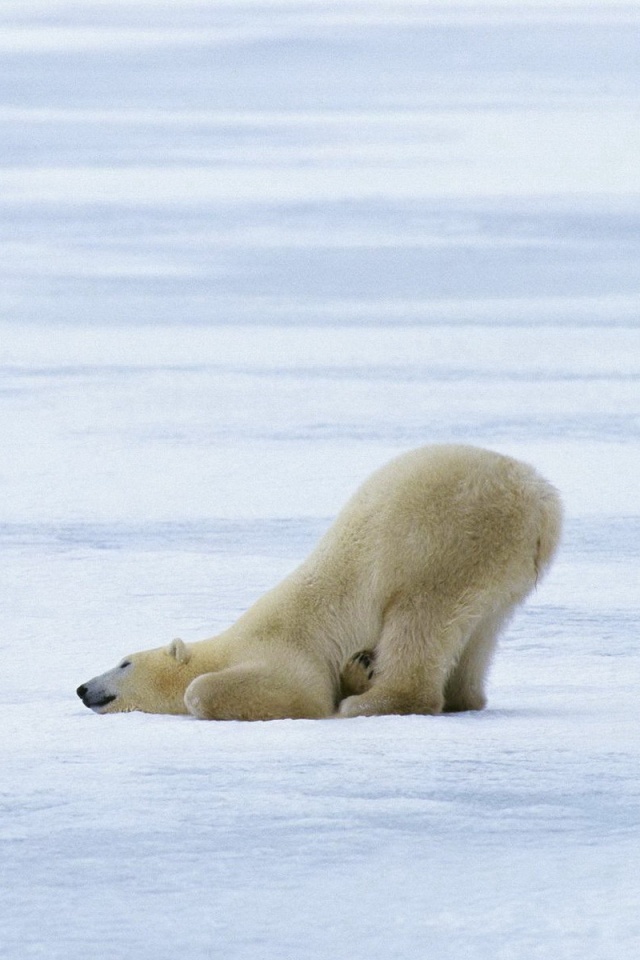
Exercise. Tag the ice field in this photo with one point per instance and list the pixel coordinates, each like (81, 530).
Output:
(249, 252)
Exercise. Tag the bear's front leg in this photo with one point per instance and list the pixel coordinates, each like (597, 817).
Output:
(251, 692)
(357, 674)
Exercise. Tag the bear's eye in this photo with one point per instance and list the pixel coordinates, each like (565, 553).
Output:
(125, 663)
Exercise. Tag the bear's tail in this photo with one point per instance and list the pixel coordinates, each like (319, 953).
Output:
(549, 529)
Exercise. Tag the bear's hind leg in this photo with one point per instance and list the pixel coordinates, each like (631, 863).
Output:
(414, 656)
(465, 687)
(251, 692)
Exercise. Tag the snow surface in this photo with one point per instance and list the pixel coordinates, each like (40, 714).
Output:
(250, 251)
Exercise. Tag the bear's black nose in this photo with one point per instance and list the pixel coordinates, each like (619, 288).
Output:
(81, 691)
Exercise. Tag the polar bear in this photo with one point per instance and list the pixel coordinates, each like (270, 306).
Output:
(396, 611)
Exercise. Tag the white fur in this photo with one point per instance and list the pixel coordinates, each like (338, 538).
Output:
(424, 566)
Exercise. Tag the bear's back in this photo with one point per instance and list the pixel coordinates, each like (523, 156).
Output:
(442, 518)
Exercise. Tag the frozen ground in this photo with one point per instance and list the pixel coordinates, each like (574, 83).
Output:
(249, 252)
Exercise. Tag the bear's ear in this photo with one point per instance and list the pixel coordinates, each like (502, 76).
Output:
(179, 651)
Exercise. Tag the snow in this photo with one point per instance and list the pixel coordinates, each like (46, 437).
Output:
(250, 252)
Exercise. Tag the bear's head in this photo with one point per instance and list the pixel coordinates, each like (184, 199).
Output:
(153, 681)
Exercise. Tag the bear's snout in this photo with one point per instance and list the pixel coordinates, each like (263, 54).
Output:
(94, 696)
